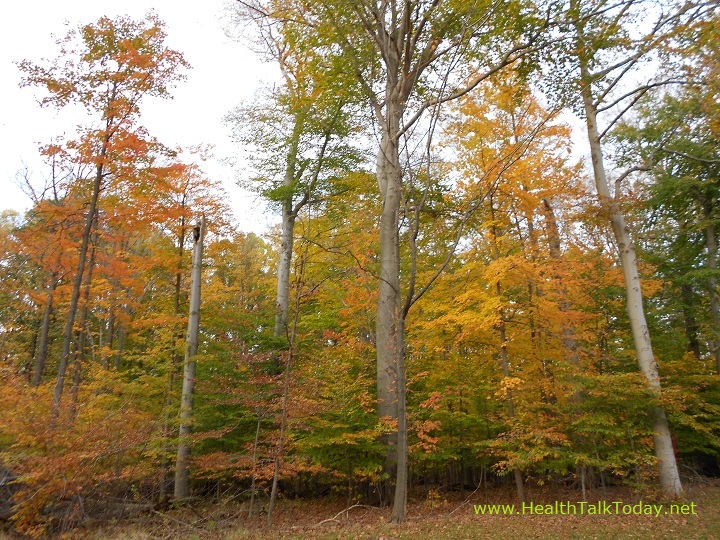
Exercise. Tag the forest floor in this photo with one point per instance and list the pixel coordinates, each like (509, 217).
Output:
(436, 516)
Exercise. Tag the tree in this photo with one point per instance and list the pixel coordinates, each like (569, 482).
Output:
(298, 140)
(182, 485)
(510, 154)
(404, 58)
(677, 134)
(603, 50)
(113, 65)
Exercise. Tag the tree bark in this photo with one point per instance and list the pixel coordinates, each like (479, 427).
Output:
(289, 214)
(389, 174)
(402, 477)
(182, 476)
(283, 270)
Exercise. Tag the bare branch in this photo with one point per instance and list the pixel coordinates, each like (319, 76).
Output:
(689, 156)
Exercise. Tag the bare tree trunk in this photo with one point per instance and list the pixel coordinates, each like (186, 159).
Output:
(182, 476)
(289, 214)
(401, 479)
(389, 174)
(283, 270)
(664, 452)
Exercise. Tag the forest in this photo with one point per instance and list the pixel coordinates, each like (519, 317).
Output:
(495, 266)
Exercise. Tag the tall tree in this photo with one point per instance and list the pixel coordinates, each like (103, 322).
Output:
(677, 134)
(182, 473)
(297, 141)
(511, 153)
(404, 56)
(604, 48)
(113, 64)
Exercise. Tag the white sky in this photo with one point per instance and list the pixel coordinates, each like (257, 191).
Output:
(224, 73)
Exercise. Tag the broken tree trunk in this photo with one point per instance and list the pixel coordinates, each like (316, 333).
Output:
(182, 477)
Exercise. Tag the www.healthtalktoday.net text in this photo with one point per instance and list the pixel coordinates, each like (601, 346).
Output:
(582, 508)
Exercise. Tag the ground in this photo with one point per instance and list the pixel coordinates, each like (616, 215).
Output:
(435, 516)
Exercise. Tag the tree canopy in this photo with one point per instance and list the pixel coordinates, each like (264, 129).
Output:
(451, 294)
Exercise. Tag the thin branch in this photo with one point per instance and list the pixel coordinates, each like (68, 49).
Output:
(508, 58)
(345, 511)
(625, 174)
(689, 156)
(644, 88)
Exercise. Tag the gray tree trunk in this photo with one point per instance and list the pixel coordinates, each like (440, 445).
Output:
(283, 270)
(289, 214)
(401, 479)
(182, 475)
(664, 452)
(389, 174)
(174, 362)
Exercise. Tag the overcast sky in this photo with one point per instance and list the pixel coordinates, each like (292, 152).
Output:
(224, 73)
